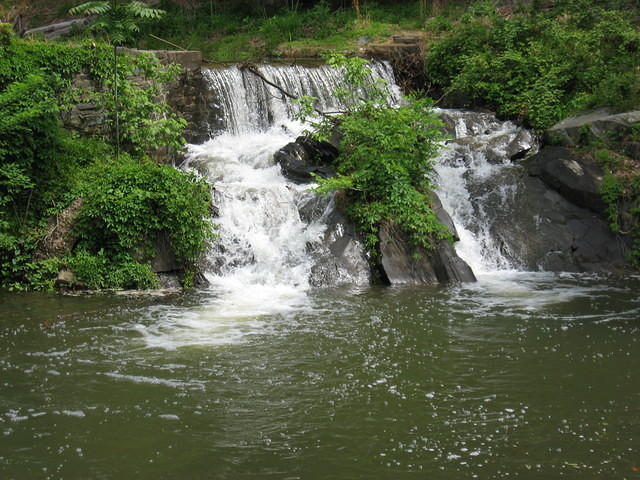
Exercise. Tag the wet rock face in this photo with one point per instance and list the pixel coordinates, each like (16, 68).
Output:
(405, 264)
(542, 230)
(340, 258)
(578, 179)
(304, 158)
(482, 133)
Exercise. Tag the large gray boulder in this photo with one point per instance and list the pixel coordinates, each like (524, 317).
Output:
(340, 258)
(599, 124)
(405, 264)
(540, 229)
(576, 178)
(306, 157)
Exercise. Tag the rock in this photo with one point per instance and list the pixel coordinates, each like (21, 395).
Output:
(59, 29)
(59, 239)
(521, 145)
(576, 178)
(388, 51)
(599, 124)
(475, 131)
(399, 261)
(339, 259)
(168, 281)
(443, 215)
(539, 229)
(405, 264)
(164, 260)
(408, 38)
(305, 157)
(461, 123)
(66, 278)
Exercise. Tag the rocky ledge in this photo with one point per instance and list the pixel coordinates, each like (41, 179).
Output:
(341, 257)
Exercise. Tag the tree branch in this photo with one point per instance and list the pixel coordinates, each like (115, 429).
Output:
(250, 68)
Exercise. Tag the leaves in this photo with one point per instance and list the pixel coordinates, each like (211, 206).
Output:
(540, 67)
(115, 19)
(128, 203)
(385, 164)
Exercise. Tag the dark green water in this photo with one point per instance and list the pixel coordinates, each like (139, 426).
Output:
(531, 377)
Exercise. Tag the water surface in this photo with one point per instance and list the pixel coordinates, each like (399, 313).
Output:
(518, 376)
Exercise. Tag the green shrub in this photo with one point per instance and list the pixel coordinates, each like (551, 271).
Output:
(540, 67)
(127, 203)
(620, 190)
(99, 272)
(386, 160)
(43, 168)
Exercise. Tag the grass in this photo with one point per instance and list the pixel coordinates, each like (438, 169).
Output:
(224, 37)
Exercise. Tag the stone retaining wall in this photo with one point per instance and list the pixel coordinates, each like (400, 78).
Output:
(186, 96)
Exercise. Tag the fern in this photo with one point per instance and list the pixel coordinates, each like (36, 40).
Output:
(116, 20)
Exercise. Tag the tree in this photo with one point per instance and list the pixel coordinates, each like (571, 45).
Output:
(385, 167)
(118, 22)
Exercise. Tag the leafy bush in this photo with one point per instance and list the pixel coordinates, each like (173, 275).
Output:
(127, 203)
(43, 168)
(99, 272)
(144, 122)
(540, 67)
(385, 163)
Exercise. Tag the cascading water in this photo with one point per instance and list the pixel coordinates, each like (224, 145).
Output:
(267, 255)
(261, 261)
(469, 168)
(246, 104)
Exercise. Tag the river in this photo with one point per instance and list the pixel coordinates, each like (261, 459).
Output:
(518, 376)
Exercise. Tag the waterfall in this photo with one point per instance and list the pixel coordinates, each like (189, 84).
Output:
(246, 104)
(470, 168)
(265, 253)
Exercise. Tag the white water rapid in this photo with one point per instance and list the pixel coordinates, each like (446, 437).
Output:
(267, 254)
(261, 261)
(467, 166)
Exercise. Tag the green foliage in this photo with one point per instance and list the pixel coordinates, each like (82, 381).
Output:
(385, 163)
(620, 190)
(115, 19)
(44, 167)
(612, 192)
(145, 124)
(224, 33)
(99, 272)
(540, 67)
(128, 203)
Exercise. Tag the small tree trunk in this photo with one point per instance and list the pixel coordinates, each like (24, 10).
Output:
(356, 7)
(115, 104)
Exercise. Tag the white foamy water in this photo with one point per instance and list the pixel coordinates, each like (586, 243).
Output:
(260, 265)
(476, 154)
